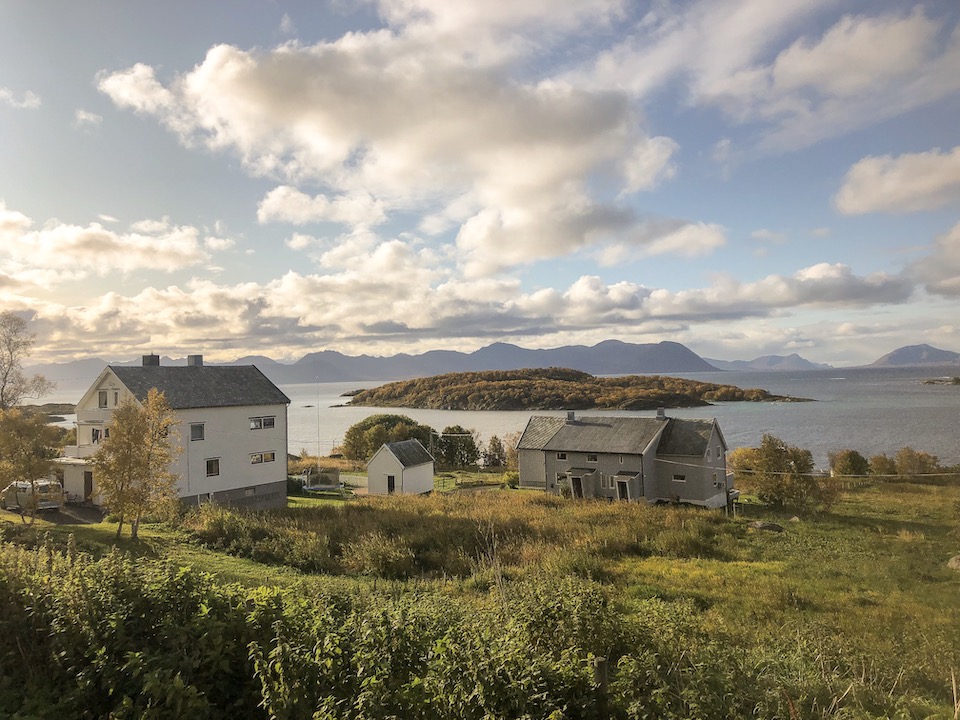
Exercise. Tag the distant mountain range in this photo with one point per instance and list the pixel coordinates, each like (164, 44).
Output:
(769, 362)
(611, 357)
(917, 355)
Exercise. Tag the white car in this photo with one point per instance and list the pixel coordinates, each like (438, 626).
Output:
(19, 495)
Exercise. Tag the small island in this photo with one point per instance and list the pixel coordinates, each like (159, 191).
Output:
(554, 389)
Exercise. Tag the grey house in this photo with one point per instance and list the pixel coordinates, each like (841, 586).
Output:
(627, 458)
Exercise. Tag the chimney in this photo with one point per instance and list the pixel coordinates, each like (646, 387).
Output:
(194, 360)
(571, 417)
(151, 361)
(661, 414)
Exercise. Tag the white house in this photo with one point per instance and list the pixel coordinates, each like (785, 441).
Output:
(233, 430)
(400, 467)
(657, 459)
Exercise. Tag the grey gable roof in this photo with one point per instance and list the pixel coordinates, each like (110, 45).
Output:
(202, 386)
(621, 435)
(410, 453)
(686, 437)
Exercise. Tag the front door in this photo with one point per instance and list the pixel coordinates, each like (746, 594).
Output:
(391, 484)
(576, 485)
(87, 484)
(622, 491)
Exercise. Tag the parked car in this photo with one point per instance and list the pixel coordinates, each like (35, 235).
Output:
(20, 495)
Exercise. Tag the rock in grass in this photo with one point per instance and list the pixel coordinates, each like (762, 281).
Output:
(762, 525)
(954, 563)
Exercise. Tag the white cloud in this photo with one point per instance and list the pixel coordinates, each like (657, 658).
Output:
(299, 241)
(106, 218)
(29, 100)
(940, 271)
(287, 26)
(287, 204)
(95, 249)
(388, 124)
(84, 118)
(860, 71)
(906, 183)
(218, 243)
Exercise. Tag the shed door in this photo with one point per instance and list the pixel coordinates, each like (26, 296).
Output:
(391, 484)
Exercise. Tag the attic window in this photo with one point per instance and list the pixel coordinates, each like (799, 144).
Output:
(263, 423)
(591, 457)
(561, 456)
(719, 451)
(196, 431)
(102, 399)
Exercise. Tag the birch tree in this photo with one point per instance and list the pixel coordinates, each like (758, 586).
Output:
(133, 464)
(15, 343)
(27, 449)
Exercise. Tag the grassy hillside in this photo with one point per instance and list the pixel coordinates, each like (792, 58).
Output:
(552, 389)
(498, 604)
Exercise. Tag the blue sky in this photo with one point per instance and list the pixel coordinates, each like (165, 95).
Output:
(234, 178)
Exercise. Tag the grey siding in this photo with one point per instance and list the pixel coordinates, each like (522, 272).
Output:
(254, 497)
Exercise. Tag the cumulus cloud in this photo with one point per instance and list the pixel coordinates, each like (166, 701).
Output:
(95, 249)
(940, 271)
(386, 123)
(85, 118)
(906, 183)
(29, 100)
(287, 204)
(863, 69)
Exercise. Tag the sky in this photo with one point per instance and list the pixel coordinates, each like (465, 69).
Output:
(248, 177)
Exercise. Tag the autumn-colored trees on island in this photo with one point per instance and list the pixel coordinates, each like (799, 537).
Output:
(553, 389)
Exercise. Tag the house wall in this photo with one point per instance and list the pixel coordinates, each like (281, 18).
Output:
(530, 464)
(229, 438)
(417, 479)
(704, 476)
(606, 466)
(382, 463)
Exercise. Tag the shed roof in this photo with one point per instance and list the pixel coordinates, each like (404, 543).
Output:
(410, 453)
(202, 386)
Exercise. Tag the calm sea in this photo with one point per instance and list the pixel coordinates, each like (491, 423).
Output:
(871, 410)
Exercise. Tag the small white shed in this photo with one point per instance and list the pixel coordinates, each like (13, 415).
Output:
(400, 467)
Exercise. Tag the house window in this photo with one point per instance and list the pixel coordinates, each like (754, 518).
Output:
(106, 433)
(621, 459)
(264, 457)
(591, 457)
(561, 456)
(213, 467)
(95, 435)
(102, 399)
(719, 452)
(196, 431)
(263, 423)
(679, 478)
(116, 397)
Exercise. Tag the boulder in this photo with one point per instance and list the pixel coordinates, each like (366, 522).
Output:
(763, 525)
(954, 563)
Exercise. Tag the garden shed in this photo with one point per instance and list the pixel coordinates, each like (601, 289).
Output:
(400, 467)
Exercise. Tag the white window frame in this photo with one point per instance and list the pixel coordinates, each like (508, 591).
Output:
(679, 478)
(207, 467)
(593, 457)
(203, 432)
(263, 422)
(561, 456)
(101, 399)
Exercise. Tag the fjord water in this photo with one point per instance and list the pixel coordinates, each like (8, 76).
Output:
(871, 410)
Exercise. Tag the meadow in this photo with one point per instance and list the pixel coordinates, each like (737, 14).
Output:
(497, 604)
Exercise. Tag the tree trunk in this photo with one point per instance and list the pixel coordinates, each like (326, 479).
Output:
(119, 527)
(135, 527)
